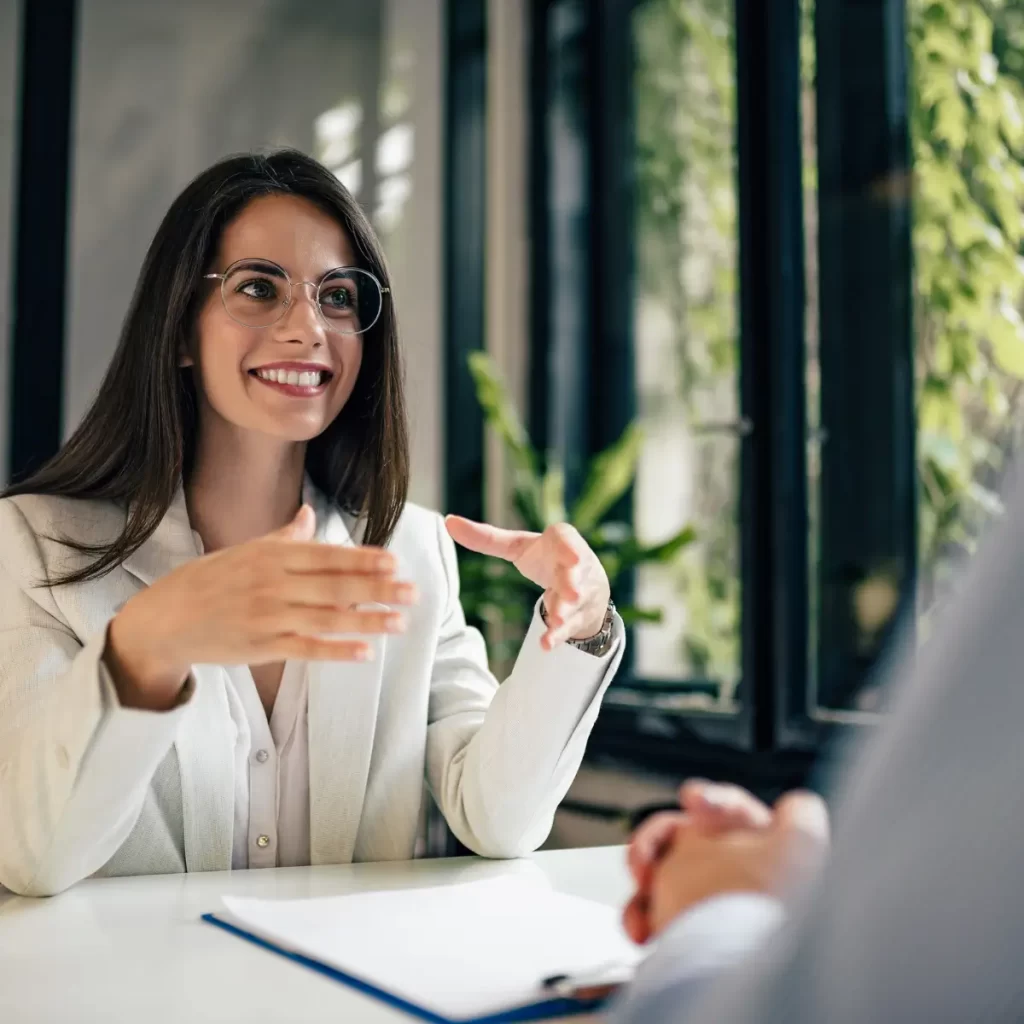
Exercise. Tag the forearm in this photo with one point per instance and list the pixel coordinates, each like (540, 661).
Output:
(499, 770)
(74, 770)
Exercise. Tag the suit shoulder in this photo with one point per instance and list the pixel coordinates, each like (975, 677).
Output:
(35, 528)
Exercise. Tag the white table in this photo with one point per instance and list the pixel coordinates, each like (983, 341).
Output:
(115, 950)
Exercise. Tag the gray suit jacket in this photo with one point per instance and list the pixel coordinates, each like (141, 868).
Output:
(919, 915)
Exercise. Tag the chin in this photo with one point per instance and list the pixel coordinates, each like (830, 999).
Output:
(296, 432)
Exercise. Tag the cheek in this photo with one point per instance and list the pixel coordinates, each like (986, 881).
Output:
(219, 352)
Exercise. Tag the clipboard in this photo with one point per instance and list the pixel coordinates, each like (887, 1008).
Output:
(301, 931)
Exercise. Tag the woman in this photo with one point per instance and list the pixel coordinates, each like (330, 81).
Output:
(226, 640)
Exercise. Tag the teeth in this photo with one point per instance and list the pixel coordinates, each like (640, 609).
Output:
(305, 379)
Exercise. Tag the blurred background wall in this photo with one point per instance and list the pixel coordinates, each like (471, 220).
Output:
(164, 90)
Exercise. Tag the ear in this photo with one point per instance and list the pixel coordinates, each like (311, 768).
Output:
(185, 357)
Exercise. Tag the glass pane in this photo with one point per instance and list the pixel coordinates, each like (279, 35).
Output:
(10, 34)
(164, 90)
(686, 341)
(968, 143)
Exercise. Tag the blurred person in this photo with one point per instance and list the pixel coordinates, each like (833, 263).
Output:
(916, 914)
(226, 638)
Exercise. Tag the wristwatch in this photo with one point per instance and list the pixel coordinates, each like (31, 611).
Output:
(600, 643)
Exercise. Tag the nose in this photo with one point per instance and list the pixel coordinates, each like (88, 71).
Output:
(301, 322)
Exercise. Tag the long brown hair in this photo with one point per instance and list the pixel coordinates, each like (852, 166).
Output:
(137, 441)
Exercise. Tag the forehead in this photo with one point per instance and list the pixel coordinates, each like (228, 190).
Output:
(292, 232)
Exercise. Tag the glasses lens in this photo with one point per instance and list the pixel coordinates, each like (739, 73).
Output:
(350, 300)
(255, 294)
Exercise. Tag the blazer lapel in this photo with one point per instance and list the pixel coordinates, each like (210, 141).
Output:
(343, 699)
(204, 743)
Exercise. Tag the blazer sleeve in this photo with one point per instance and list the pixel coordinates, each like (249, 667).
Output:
(500, 759)
(74, 764)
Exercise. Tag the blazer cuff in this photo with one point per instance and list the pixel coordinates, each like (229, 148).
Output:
(136, 733)
(701, 944)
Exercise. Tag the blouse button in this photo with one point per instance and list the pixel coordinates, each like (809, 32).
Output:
(263, 842)
(261, 756)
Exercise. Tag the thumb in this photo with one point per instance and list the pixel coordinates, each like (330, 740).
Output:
(301, 528)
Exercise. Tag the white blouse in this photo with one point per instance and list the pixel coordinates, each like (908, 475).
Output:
(271, 771)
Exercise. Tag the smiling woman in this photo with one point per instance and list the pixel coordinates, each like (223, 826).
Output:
(226, 638)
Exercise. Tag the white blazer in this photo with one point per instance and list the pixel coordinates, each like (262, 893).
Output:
(88, 787)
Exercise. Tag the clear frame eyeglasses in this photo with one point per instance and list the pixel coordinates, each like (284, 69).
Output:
(257, 293)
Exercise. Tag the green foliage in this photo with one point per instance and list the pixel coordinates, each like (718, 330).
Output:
(495, 591)
(968, 140)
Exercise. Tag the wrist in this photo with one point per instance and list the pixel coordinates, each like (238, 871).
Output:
(141, 677)
(594, 622)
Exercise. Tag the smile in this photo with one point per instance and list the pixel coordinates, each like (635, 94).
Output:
(294, 382)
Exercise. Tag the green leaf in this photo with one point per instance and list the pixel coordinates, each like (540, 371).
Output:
(502, 418)
(499, 411)
(611, 474)
(1006, 335)
(634, 553)
(552, 494)
(631, 615)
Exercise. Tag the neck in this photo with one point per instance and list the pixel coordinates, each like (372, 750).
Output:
(242, 485)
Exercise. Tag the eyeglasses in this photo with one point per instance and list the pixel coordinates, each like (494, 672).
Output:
(257, 293)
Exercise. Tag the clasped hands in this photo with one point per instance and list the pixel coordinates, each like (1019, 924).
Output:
(722, 840)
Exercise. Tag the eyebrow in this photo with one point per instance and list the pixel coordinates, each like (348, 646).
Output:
(264, 265)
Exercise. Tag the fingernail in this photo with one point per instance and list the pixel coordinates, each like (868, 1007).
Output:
(406, 593)
(364, 654)
(386, 563)
(395, 624)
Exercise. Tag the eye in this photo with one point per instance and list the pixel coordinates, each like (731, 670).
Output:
(261, 289)
(337, 298)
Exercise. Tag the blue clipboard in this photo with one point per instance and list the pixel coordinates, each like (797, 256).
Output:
(543, 1010)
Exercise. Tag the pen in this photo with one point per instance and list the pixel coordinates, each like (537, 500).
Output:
(598, 983)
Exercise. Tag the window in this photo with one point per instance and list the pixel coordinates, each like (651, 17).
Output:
(721, 225)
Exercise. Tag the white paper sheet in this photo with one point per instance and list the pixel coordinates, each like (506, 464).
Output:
(461, 951)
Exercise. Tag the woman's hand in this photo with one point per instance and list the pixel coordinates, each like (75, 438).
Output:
(576, 589)
(268, 600)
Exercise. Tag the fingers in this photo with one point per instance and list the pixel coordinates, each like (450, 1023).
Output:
(720, 807)
(650, 842)
(305, 621)
(488, 540)
(308, 648)
(560, 622)
(343, 591)
(565, 543)
(305, 557)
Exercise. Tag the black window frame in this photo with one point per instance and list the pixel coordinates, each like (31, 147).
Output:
(582, 382)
